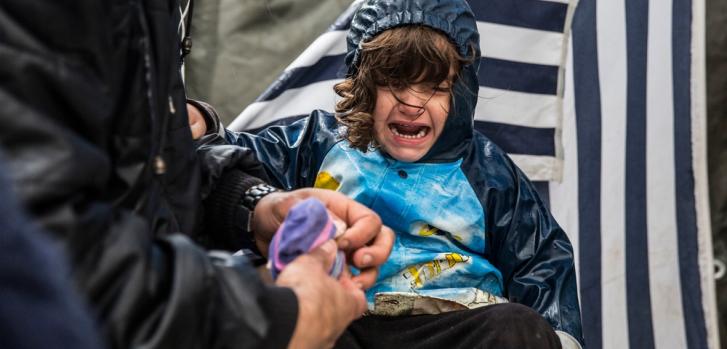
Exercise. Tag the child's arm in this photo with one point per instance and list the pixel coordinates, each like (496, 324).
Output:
(291, 154)
(533, 252)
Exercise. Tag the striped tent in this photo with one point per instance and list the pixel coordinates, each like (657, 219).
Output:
(602, 104)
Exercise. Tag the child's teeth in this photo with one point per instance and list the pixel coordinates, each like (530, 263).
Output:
(420, 134)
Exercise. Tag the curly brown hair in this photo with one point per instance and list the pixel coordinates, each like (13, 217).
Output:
(395, 58)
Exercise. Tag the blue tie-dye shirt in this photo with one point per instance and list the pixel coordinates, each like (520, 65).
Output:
(438, 220)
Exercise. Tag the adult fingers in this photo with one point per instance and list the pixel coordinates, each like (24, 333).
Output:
(363, 223)
(356, 295)
(377, 252)
(357, 279)
(369, 258)
(276, 205)
(366, 277)
(270, 213)
(324, 256)
(196, 122)
(364, 226)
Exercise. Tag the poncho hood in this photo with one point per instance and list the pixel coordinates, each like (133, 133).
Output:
(456, 20)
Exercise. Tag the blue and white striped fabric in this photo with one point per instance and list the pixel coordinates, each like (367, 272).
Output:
(634, 191)
(609, 120)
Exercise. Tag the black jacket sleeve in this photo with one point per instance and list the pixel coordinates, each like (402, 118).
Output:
(227, 172)
(64, 82)
(38, 306)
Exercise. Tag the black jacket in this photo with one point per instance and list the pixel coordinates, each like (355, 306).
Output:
(95, 131)
(33, 280)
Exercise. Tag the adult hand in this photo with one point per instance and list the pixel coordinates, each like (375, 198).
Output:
(196, 122)
(326, 306)
(366, 241)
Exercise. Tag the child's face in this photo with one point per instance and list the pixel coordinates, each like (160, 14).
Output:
(409, 120)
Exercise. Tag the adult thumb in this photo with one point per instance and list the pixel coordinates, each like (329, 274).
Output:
(325, 254)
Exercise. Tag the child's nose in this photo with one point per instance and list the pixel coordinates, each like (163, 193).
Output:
(410, 105)
(410, 110)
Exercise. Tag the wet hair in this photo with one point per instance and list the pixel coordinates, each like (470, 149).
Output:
(395, 58)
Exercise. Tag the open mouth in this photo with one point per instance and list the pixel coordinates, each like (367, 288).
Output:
(409, 131)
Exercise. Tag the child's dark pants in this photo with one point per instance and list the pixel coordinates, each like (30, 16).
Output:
(499, 326)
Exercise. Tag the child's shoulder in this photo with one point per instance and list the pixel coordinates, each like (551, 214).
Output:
(486, 150)
(486, 164)
(324, 120)
(324, 115)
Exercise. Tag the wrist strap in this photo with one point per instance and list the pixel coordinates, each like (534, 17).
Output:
(255, 193)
